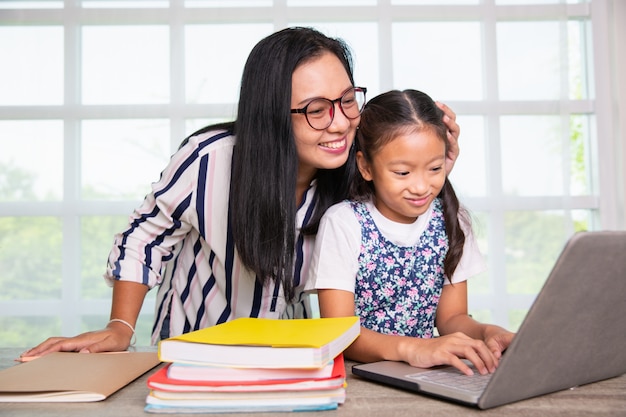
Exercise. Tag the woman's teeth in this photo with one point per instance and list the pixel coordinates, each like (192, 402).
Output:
(334, 145)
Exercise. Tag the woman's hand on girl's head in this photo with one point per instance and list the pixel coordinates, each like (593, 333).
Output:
(454, 130)
(106, 340)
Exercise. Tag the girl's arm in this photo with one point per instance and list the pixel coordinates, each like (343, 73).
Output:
(372, 346)
(452, 317)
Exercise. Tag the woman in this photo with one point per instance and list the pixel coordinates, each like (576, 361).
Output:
(228, 229)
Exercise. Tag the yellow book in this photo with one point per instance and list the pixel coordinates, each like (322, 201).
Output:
(264, 343)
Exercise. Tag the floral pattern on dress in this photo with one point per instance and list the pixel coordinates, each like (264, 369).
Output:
(397, 288)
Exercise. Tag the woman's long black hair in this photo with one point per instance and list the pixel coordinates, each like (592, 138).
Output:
(398, 112)
(265, 162)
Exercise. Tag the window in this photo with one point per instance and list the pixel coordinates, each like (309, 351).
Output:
(97, 94)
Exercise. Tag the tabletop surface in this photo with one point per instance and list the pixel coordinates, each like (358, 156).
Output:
(363, 399)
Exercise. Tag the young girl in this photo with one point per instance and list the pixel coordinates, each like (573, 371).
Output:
(399, 253)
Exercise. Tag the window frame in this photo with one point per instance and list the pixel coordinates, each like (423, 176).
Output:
(608, 67)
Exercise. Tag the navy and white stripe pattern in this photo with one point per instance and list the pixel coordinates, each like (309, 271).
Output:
(179, 240)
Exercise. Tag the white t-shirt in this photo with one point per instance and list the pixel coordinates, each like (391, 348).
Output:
(334, 263)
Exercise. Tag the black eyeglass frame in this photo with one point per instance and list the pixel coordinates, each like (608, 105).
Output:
(304, 109)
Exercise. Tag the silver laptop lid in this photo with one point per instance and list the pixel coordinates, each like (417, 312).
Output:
(575, 331)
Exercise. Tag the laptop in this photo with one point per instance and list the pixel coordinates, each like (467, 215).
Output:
(573, 334)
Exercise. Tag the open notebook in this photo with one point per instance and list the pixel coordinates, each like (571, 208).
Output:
(574, 333)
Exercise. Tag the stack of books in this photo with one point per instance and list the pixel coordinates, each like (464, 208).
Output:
(254, 365)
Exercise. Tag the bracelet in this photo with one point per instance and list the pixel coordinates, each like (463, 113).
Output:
(133, 339)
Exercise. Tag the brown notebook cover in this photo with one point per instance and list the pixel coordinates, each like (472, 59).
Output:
(73, 377)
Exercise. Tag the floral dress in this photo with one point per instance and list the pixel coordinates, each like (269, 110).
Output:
(397, 288)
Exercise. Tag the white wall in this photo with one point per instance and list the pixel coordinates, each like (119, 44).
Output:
(609, 53)
(619, 53)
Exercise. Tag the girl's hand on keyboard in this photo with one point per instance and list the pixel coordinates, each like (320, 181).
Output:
(449, 350)
(498, 339)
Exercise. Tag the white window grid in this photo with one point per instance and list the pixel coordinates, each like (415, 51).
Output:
(606, 201)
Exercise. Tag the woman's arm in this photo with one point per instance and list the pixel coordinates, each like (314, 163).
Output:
(127, 300)
(153, 230)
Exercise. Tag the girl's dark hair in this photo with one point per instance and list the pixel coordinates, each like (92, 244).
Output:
(265, 161)
(389, 115)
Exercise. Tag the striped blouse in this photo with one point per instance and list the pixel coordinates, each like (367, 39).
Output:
(179, 240)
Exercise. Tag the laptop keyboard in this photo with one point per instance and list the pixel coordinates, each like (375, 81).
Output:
(453, 378)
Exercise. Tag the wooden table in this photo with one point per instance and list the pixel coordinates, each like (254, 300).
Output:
(364, 398)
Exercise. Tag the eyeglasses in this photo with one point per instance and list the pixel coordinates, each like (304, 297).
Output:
(320, 112)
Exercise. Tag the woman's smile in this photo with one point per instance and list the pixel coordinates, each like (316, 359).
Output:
(337, 145)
